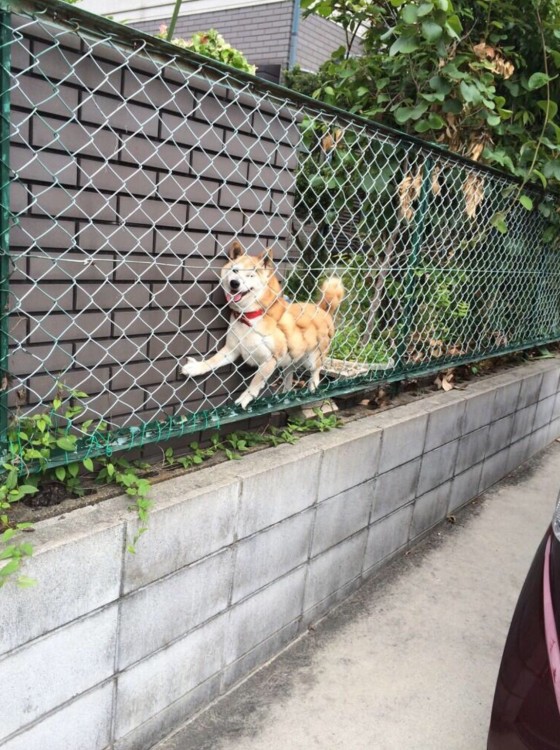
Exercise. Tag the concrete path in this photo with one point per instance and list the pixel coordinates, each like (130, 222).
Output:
(410, 661)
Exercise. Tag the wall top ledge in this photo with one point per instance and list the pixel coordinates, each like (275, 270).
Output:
(83, 522)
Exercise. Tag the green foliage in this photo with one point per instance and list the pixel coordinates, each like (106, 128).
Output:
(479, 76)
(212, 44)
(37, 440)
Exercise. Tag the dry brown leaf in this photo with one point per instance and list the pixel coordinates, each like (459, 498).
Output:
(476, 150)
(445, 380)
(332, 140)
(498, 63)
(436, 187)
(436, 346)
(483, 51)
(447, 385)
(409, 190)
(473, 190)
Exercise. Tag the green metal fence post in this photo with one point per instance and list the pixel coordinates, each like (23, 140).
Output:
(5, 57)
(416, 243)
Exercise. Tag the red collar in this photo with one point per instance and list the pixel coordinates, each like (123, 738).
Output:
(247, 317)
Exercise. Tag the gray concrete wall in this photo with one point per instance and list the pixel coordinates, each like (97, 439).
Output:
(113, 650)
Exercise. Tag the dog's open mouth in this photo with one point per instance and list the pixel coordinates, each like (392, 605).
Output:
(235, 297)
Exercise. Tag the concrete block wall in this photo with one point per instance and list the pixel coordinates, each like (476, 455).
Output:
(131, 176)
(113, 651)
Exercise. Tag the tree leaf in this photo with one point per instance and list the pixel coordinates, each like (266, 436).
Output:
(424, 9)
(537, 80)
(27, 489)
(549, 107)
(431, 31)
(410, 14)
(67, 443)
(498, 221)
(404, 45)
(436, 122)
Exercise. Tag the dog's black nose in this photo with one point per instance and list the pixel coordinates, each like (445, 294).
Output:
(234, 285)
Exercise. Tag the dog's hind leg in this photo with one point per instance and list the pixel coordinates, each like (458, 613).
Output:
(288, 378)
(257, 383)
(315, 362)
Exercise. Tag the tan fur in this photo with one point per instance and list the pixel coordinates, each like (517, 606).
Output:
(288, 335)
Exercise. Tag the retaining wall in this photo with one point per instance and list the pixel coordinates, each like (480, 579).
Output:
(113, 650)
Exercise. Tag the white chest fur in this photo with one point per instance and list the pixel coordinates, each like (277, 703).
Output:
(254, 348)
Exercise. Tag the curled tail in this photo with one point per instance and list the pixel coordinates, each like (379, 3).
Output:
(332, 293)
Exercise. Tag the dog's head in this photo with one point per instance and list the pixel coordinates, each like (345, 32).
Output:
(248, 281)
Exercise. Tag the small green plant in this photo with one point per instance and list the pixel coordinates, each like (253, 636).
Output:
(35, 441)
(212, 44)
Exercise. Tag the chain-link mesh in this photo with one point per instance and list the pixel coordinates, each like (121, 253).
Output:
(133, 168)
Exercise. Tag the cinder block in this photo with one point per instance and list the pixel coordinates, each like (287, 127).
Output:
(430, 509)
(543, 413)
(84, 724)
(538, 440)
(395, 488)
(259, 655)
(499, 435)
(523, 422)
(50, 671)
(255, 619)
(403, 441)
(519, 452)
(529, 391)
(81, 547)
(153, 684)
(465, 487)
(270, 554)
(472, 449)
(506, 400)
(341, 516)
(437, 467)
(445, 421)
(334, 569)
(168, 609)
(494, 469)
(556, 410)
(478, 410)
(276, 484)
(549, 383)
(349, 463)
(387, 536)
(554, 430)
(148, 733)
(320, 609)
(194, 519)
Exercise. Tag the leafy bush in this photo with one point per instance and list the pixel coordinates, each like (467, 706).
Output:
(212, 44)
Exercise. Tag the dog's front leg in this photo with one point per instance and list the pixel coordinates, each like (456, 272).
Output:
(257, 383)
(224, 356)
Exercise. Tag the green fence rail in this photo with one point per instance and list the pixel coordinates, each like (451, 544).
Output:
(131, 166)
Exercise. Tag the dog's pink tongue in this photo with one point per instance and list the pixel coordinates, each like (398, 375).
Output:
(233, 298)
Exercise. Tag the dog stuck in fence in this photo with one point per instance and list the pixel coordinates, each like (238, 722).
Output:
(267, 331)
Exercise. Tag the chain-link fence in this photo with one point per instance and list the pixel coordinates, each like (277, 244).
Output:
(132, 168)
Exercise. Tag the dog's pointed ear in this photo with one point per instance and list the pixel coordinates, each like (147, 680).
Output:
(235, 250)
(267, 259)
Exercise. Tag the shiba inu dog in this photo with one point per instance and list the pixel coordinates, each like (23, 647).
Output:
(266, 330)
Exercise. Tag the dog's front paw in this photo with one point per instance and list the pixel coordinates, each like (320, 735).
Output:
(244, 400)
(193, 368)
